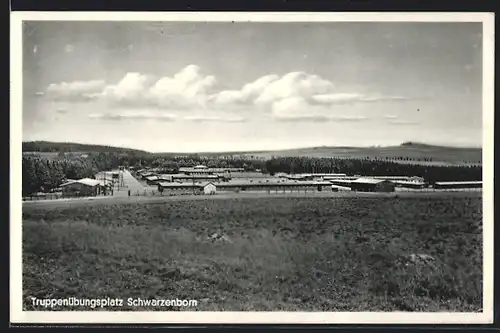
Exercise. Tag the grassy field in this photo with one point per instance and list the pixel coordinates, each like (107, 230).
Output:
(307, 254)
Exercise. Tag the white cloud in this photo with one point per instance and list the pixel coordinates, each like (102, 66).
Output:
(77, 90)
(350, 98)
(214, 119)
(69, 48)
(187, 88)
(296, 95)
(133, 116)
(295, 84)
(336, 98)
(132, 89)
(247, 94)
(320, 118)
(298, 108)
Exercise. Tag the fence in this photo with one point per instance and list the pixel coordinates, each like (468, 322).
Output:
(430, 189)
(156, 193)
(55, 196)
(48, 196)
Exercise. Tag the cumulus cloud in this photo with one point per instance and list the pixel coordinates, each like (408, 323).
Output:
(77, 90)
(246, 95)
(296, 95)
(320, 118)
(132, 89)
(298, 108)
(187, 89)
(132, 116)
(214, 119)
(295, 84)
(349, 98)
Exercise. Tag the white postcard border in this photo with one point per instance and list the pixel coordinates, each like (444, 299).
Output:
(19, 316)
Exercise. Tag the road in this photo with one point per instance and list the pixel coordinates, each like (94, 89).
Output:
(129, 184)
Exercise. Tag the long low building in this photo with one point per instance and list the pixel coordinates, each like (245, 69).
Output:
(414, 179)
(342, 182)
(274, 185)
(196, 188)
(458, 185)
(152, 180)
(199, 170)
(147, 174)
(372, 185)
(409, 184)
(194, 177)
(348, 178)
(83, 187)
(311, 176)
(334, 175)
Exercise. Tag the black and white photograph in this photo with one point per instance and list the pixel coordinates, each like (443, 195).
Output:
(252, 168)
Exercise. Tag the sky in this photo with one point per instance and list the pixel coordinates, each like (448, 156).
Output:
(222, 86)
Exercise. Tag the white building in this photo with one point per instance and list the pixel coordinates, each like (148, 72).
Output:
(209, 188)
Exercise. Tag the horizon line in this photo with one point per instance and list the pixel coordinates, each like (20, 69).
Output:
(260, 150)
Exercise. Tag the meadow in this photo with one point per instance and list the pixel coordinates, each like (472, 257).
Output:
(262, 254)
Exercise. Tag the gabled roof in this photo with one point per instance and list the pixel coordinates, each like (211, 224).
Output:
(203, 184)
(68, 182)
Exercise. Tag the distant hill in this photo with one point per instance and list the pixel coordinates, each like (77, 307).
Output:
(407, 152)
(56, 147)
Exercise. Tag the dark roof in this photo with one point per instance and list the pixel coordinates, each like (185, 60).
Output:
(278, 184)
(179, 185)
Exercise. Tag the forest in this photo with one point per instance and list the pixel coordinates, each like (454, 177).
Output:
(430, 173)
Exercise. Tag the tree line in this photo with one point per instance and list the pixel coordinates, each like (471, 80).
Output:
(431, 173)
(40, 174)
